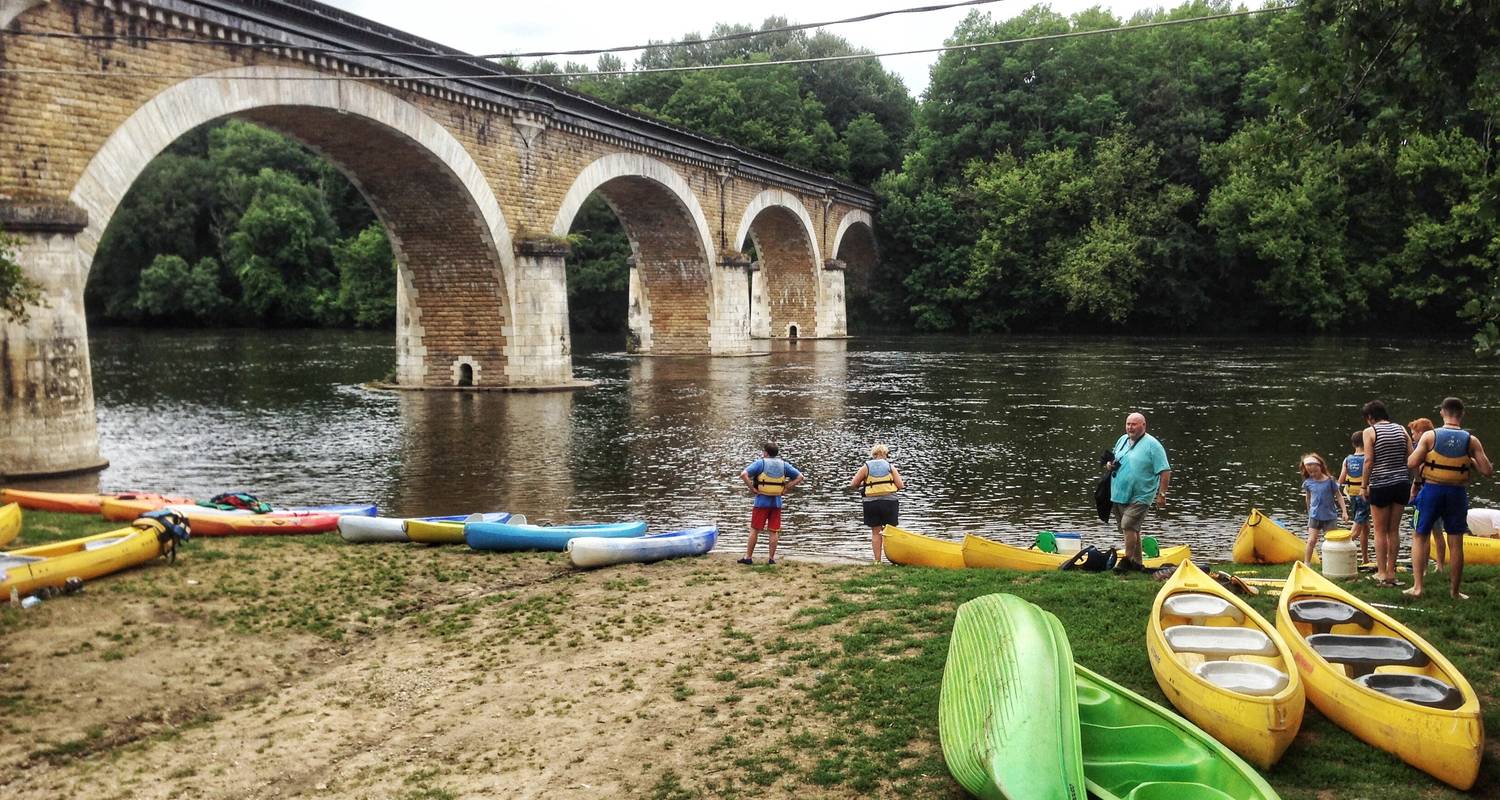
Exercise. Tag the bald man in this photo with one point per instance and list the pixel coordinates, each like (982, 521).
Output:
(1141, 475)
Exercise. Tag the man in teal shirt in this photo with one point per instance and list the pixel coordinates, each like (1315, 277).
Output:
(1141, 475)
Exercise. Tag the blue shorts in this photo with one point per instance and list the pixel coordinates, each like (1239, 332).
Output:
(1440, 503)
(1359, 510)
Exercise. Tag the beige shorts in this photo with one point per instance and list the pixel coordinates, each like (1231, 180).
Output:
(1130, 516)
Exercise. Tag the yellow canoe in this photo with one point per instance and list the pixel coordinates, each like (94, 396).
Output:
(10, 523)
(1263, 541)
(1379, 680)
(913, 549)
(1224, 666)
(429, 532)
(1477, 550)
(984, 553)
(50, 565)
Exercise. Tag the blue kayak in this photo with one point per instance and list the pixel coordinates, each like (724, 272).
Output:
(595, 551)
(504, 537)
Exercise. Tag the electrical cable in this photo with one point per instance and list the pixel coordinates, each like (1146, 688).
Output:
(728, 37)
(534, 77)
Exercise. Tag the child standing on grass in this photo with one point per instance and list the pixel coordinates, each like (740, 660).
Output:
(1417, 427)
(1321, 492)
(1352, 478)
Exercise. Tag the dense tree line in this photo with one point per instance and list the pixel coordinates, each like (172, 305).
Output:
(1326, 168)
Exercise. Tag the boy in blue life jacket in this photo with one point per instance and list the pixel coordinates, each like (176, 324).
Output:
(1352, 478)
(769, 478)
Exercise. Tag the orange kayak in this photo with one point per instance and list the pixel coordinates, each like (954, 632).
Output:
(126, 507)
(212, 522)
(79, 502)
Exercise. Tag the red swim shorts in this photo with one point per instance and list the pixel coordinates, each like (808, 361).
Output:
(764, 518)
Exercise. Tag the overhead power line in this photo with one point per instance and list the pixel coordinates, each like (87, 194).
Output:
(333, 51)
(532, 77)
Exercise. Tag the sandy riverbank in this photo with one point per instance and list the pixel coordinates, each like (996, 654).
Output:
(269, 669)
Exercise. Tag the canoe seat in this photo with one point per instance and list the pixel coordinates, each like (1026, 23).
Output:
(1324, 614)
(10, 562)
(1245, 677)
(1362, 654)
(1198, 606)
(1222, 642)
(1423, 690)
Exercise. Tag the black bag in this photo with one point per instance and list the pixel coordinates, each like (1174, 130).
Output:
(1091, 559)
(1102, 503)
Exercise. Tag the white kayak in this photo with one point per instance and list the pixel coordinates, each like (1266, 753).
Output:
(594, 551)
(361, 529)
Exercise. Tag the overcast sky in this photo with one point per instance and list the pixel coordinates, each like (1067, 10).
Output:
(576, 24)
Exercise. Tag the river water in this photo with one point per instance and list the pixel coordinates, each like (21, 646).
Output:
(998, 436)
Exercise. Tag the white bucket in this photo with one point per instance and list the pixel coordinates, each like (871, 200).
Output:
(1070, 542)
(1338, 555)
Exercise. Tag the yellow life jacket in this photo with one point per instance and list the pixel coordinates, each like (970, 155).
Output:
(1354, 475)
(878, 485)
(1448, 460)
(768, 484)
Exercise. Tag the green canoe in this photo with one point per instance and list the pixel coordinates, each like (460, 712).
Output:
(1134, 749)
(1007, 715)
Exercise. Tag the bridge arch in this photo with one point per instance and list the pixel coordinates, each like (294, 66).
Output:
(675, 291)
(455, 262)
(786, 288)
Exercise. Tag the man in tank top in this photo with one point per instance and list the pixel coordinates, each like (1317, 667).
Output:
(1387, 485)
(1447, 458)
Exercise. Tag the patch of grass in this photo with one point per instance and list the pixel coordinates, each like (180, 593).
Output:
(878, 684)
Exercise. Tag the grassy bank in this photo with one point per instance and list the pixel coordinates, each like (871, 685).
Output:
(710, 679)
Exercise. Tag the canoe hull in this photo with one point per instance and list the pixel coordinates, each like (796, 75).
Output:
(1006, 714)
(504, 537)
(1259, 729)
(913, 549)
(1446, 744)
(1131, 743)
(1262, 540)
(592, 551)
(80, 503)
(10, 523)
(1481, 550)
(984, 553)
(87, 558)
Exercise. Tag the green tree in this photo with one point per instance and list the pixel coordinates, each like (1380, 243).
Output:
(18, 293)
(171, 290)
(367, 277)
(280, 250)
(598, 275)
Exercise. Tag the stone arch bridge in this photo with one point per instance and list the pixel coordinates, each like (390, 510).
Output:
(475, 174)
